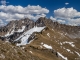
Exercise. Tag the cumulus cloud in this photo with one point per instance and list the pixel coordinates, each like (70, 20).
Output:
(66, 3)
(11, 12)
(67, 16)
(58, 20)
(66, 12)
(3, 2)
(24, 10)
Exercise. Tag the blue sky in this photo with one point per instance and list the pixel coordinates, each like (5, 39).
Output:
(63, 11)
(49, 4)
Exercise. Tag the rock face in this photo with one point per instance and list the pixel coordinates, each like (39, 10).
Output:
(19, 23)
(40, 22)
(55, 42)
(14, 28)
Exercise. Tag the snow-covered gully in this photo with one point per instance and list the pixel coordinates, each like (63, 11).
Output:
(24, 37)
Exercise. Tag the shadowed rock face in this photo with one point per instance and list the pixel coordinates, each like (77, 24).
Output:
(40, 22)
(19, 23)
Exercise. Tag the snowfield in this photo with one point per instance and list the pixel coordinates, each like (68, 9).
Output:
(24, 37)
(47, 46)
(12, 31)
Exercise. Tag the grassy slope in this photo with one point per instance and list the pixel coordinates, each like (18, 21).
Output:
(55, 40)
(36, 51)
(28, 52)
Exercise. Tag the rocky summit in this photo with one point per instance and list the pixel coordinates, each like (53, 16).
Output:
(41, 40)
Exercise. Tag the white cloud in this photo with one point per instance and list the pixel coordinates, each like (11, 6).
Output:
(67, 16)
(66, 3)
(24, 10)
(11, 12)
(66, 13)
(3, 2)
(2, 23)
(59, 20)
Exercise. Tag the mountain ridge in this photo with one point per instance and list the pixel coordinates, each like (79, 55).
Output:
(58, 40)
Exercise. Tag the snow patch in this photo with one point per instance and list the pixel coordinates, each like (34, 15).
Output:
(77, 53)
(24, 37)
(61, 43)
(41, 43)
(22, 21)
(21, 30)
(47, 46)
(69, 51)
(30, 51)
(70, 43)
(53, 29)
(23, 47)
(65, 58)
(48, 35)
(41, 46)
(11, 31)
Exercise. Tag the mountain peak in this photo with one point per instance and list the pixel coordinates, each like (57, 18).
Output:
(44, 37)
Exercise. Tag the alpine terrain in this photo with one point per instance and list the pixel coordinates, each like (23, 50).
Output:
(41, 40)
